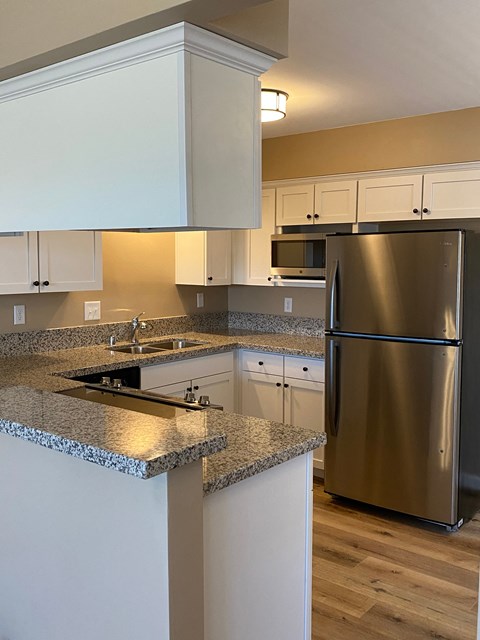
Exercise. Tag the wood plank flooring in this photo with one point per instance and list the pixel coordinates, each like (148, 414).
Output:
(382, 576)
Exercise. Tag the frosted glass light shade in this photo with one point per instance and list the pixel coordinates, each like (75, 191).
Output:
(274, 104)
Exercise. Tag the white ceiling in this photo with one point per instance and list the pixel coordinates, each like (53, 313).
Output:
(356, 61)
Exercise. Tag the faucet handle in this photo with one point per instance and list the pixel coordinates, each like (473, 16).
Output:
(135, 318)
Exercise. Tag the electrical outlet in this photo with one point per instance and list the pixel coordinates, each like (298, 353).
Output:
(287, 305)
(18, 314)
(92, 310)
(200, 300)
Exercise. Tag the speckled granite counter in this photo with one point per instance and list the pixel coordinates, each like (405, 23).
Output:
(143, 445)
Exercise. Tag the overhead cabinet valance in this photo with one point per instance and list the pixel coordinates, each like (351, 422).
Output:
(162, 131)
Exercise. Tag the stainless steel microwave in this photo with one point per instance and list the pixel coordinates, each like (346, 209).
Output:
(299, 255)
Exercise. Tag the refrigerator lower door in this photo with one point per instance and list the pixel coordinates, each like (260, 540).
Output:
(393, 426)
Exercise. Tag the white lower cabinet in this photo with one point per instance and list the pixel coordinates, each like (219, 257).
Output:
(50, 261)
(284, 389)
(209, 375)
(262, 396)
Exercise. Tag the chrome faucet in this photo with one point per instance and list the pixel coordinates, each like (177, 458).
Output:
(135, 326)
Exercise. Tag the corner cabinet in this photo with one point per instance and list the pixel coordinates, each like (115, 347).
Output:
(332, 202)
(160, 131)
(203, 258)
(251, 249)
(54, 261)
(285, 389)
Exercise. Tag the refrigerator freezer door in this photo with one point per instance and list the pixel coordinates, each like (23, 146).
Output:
(392, 425)
(396, 284)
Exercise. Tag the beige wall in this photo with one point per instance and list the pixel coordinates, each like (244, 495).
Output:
(38, 33)
(307, 302)
(138, 276)
(438, 138)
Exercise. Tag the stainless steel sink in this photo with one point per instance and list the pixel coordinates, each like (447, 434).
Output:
(137, 348)
(157, 346)
(175, 343)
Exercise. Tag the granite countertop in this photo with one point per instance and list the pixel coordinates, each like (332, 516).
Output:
(143, 445)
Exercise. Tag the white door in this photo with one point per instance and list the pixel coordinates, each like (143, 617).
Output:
(18, 263)
(451, 194)
(218, 258)
(304, 407)
(262, 396)
(219, 388)
(390, 199)
(70, 260)
(295, 205)
(252, 247)
(335, 202)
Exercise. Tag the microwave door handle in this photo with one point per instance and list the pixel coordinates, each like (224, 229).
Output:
(333, 296)
(332, 388)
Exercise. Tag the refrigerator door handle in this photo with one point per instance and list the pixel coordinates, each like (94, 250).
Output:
(332, 296)
(332, 382)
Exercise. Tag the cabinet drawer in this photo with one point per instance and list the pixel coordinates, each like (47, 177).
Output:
(262, 362)
(305, 369)
(173, 372)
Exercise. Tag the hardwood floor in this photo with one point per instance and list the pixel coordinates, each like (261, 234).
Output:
(383, 576)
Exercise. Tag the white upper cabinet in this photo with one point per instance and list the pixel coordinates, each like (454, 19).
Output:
(252, 248)
(18, 263)
(70, 260)
(295, 204)
(451, 194)
(203, 258)
(51, 261)
(161, 131)
(392, 198)
(335, 202)
(322, 203)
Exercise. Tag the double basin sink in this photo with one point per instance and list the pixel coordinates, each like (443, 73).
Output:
(157, 346)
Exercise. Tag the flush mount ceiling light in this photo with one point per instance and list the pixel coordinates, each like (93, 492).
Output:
(274, 104)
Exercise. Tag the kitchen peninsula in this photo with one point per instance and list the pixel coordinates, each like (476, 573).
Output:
(91, 552)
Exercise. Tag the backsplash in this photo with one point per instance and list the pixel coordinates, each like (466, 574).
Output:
(12, 344)
(271, 323)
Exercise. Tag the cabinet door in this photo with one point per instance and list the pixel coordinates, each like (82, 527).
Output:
(335, 202)
(262, 396)
(390, 199)
(176, 390)
(219, 258)
(251, 249)
(70, 260)
(304, 407)
(451, 194)
(219, 388)
(19, 263)
(203, 258)
(295, 205)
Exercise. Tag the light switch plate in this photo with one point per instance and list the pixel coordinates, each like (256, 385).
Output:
(92, 310)
(18, 314)
(200, 300)
(287, 305)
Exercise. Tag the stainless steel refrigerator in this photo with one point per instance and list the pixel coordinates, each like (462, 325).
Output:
(403, 372)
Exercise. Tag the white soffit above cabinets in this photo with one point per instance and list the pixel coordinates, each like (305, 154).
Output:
(161, 131)
(358, 61)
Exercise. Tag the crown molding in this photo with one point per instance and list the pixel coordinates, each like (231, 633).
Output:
(182, 37)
